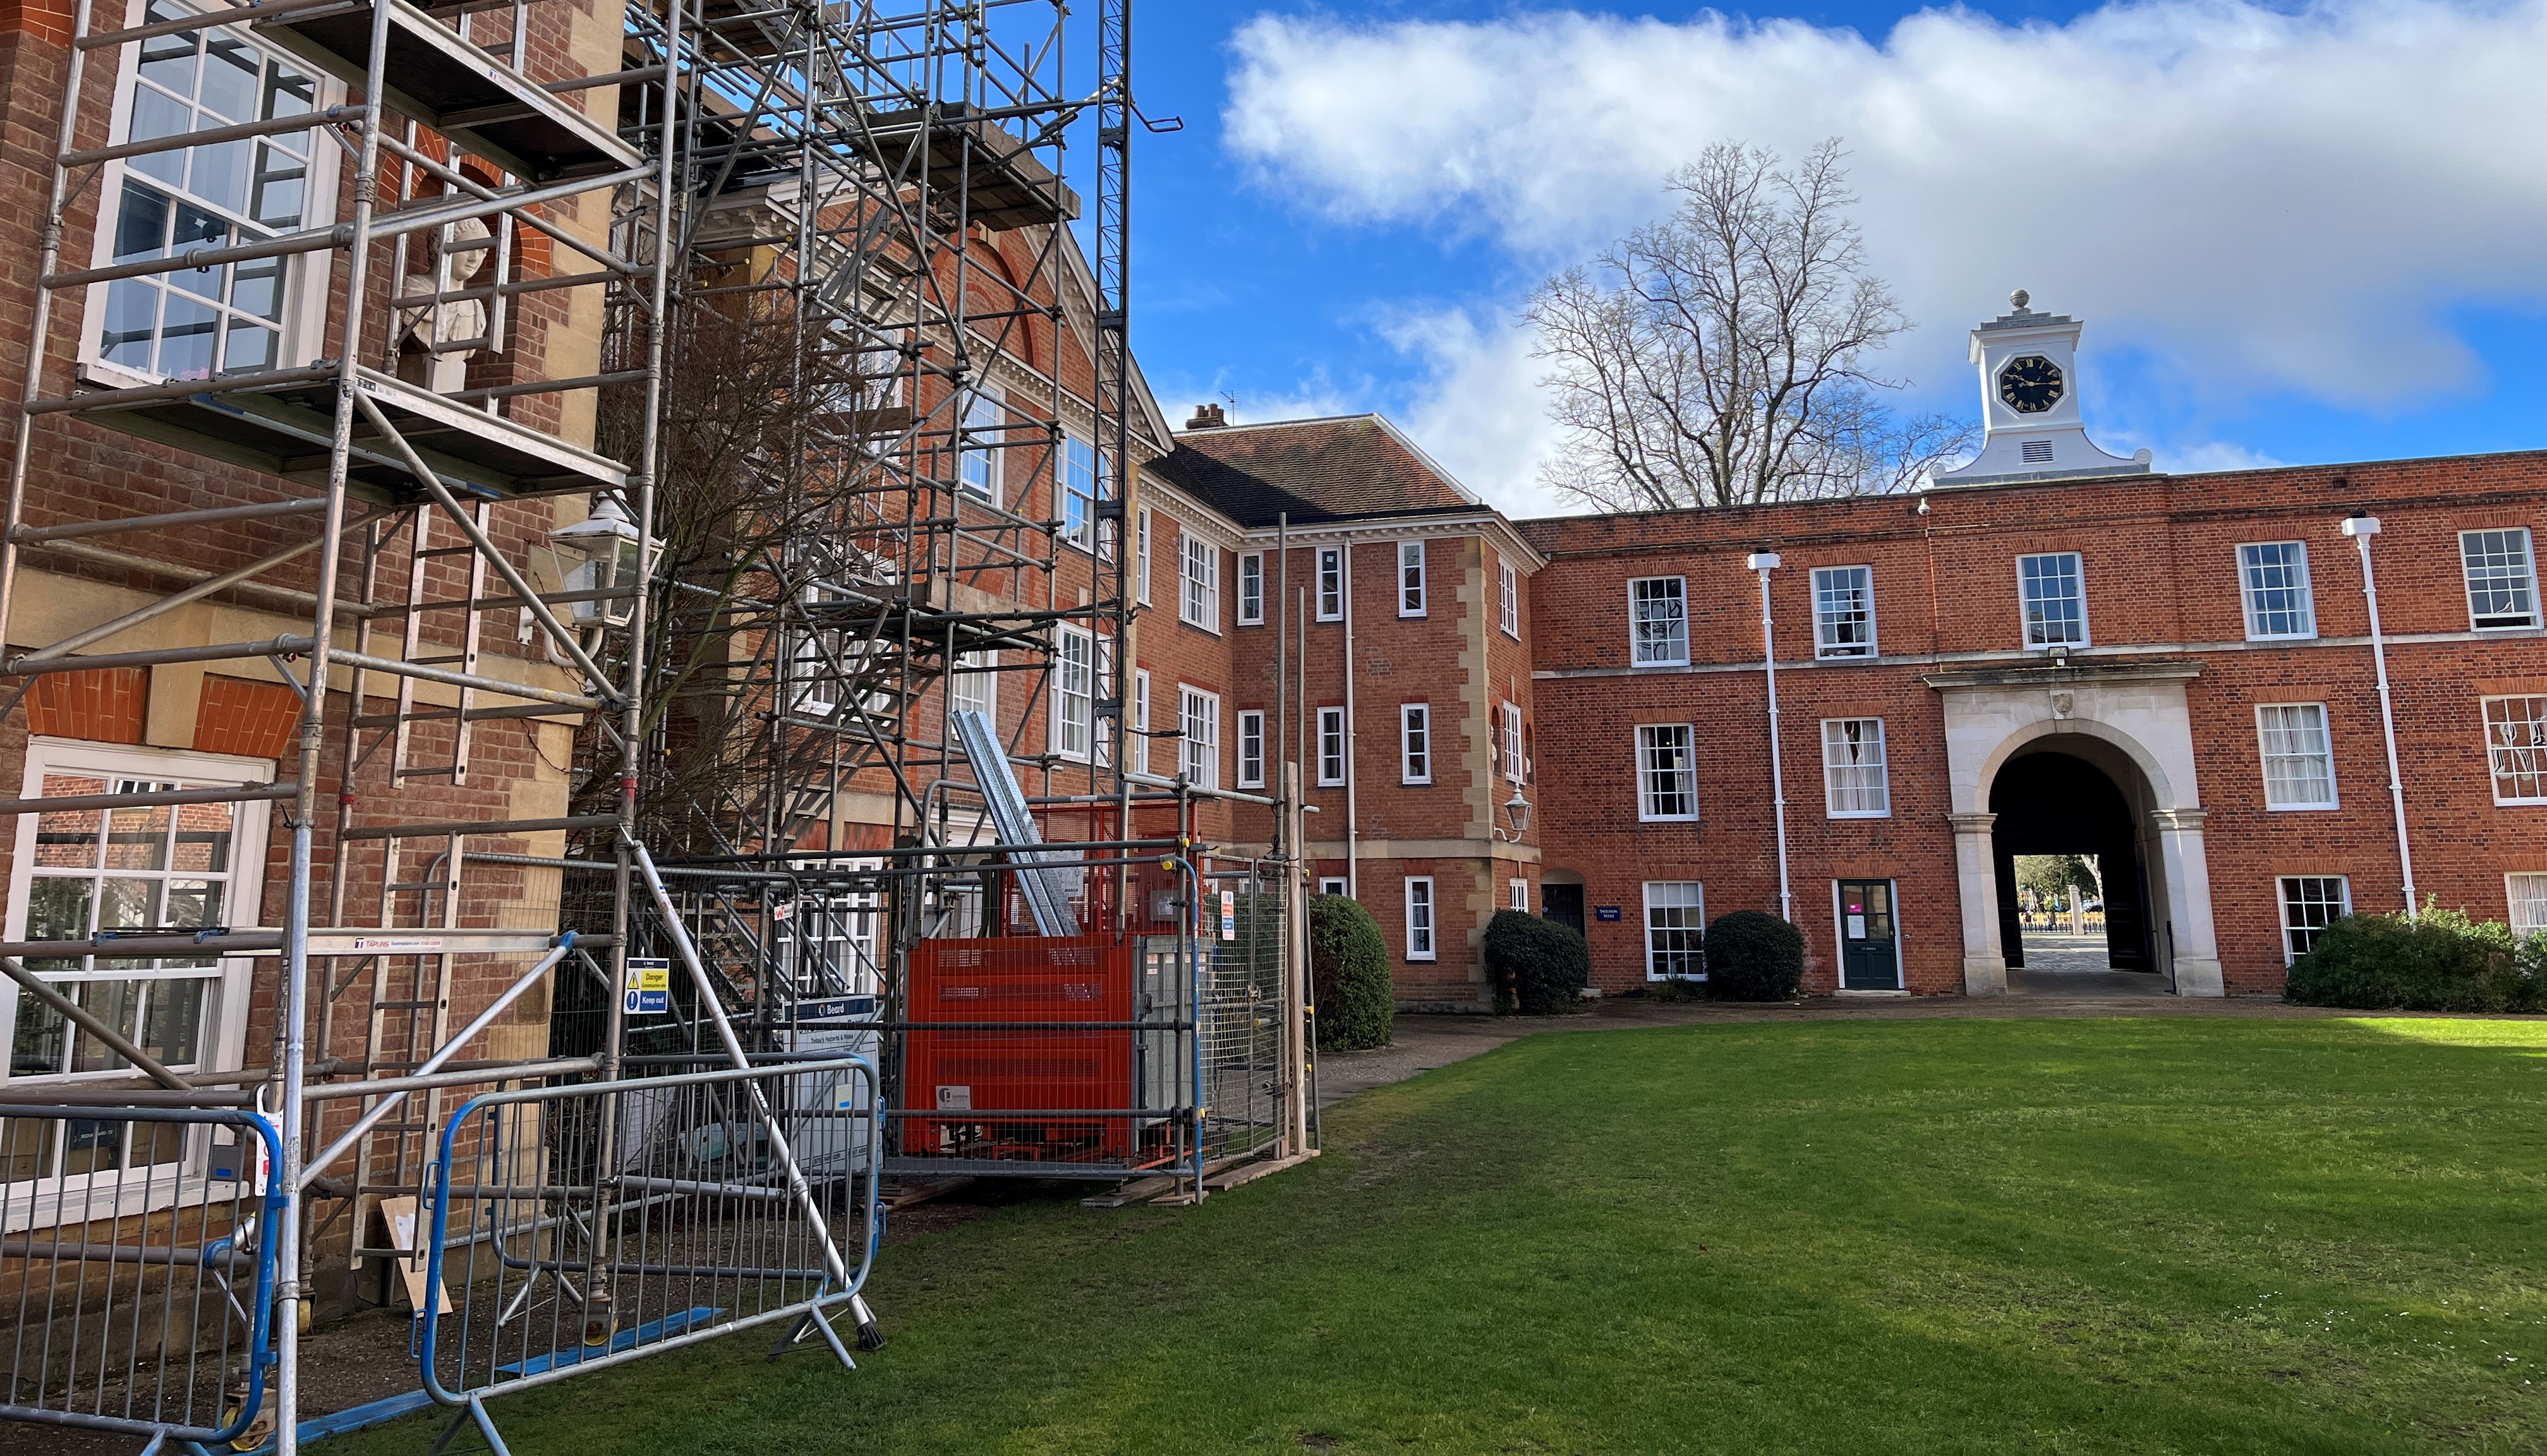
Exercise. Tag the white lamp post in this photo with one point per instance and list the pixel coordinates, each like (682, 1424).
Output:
(1764, 563)
(599, 554)
(2361, 529)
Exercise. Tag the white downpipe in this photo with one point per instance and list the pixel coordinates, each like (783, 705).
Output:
(1352, 768)
(1765, 563)
(2361, 529)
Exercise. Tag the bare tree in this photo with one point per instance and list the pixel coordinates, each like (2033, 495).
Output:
(1718, 356)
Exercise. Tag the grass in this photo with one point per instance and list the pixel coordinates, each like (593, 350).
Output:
(2125, 1236)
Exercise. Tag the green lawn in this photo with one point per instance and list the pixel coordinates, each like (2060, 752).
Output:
(2130, 1236)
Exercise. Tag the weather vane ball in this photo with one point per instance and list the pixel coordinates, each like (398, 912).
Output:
(2019, 298)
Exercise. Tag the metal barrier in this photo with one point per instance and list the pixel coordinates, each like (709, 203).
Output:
(576, 1228)
(135, 1249)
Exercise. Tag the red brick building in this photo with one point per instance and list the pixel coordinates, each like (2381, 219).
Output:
(2172, 673)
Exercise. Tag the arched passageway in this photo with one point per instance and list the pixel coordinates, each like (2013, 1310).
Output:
(2055, 803)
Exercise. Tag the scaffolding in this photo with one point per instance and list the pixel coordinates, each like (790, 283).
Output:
(648, 410)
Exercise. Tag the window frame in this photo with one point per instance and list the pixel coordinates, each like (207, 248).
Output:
(2527, 586)
(1515, 758)
(2534, 752)
(2284, 906)
(1331, 582)
(1635, 623)
(2512, 902)
(1251, 588)
(1431, 920)
(1078, 505)
(1198, 750)
(1520, 895)
(221, 1035)
(1824, 650)
(2025, 618)
(1251, 726)
(1882, 767)
(1331, 726)
(1199, 582)
(991, 404)
(1341, 886)
(1508, 612)
(984, 672)
(1140, 752)
(301, 332)
(2247, 590)
(2265, 756)
(1698, 927)
(1645, 797)
(1141, 562)
(1061, 696)
(1412, 584)
(1415, 744)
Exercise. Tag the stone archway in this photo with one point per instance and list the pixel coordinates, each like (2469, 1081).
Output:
(2128, 719)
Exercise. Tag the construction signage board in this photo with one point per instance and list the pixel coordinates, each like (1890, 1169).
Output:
(1229, 914)
(650, 986)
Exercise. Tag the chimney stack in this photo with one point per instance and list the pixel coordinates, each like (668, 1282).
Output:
(1207, 417)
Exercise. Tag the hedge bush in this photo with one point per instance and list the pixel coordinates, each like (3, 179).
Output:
(1753, 955)
(1356, 1000)
(1540, 965)
(2438, 961)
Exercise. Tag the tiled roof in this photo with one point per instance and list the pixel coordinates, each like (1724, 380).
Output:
(1321, 470)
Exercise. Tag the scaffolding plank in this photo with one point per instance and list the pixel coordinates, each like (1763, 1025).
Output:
(458, 90)
(1048, 884)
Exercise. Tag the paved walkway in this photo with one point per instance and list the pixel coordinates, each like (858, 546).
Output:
(1426, 1042)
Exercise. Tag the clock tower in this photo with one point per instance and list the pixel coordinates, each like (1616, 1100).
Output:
(2029, 365)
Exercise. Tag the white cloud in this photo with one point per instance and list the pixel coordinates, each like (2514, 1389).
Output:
(1479, 412)
(2259, 199)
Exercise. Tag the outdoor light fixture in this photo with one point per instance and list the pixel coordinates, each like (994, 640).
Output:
(1517, 810)
(2060, 655)
(598, 553)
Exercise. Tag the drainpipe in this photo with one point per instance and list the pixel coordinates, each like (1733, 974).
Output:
(1764, 563)
(1353, 767)
(2361, 528)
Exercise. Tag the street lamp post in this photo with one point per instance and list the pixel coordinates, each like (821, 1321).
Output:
(1764, 563)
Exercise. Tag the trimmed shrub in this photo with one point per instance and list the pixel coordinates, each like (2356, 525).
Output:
(1356, 1001)
(1753, 955)
(2440, 961)
(1539, 965)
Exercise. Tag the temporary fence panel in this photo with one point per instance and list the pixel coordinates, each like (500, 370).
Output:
(1239, 987)
(575, 1227)
(140, 1274)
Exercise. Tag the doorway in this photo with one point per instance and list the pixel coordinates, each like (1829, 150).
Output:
(1562, 903)
(1870, 956)
(2055, 804)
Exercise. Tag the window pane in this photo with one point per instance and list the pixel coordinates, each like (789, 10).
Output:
(1843, 612)
(1668, 778)
(1661, 624)
(2516, 741)
(2310, 903)
(2528, 897)
(2499, 590)
(2299, 768)
(2055, 603)
(36, 1049)
(1853, 767)
(2278, 602)
(1675, 930)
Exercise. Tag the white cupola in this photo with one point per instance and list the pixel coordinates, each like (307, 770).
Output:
(2033, 430)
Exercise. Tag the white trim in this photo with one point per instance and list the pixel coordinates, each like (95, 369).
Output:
(991, 405)
(1644, 802)
(1245, 560)
(1343, 748)
(1318, 591)
(2282, 906)
(2493, 773)
(1516, 733)
(1246, 718)
(1432, 918)
(2246, 594)
(2511, 902)
(1646, 925)
(1884, 763)
(1198, 592)
(1508, 608)
(1409, 556)
(1141, 562)
(2025, 629)
(1414, 740)
(1822, 650)
(1140, 720)
(1519, 897)
(1331, 883)
(1057, 711)
(1681, 584)
(2529, 564)
(1198, 754)
(2264, 758)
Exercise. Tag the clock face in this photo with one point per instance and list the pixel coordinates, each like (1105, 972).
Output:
(2031, 385)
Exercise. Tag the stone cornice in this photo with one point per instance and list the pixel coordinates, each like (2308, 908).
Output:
(2078, 674)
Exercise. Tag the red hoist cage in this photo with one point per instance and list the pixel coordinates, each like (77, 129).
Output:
(1074, 1050)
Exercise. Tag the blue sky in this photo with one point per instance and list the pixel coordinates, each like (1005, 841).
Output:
(2295, 235)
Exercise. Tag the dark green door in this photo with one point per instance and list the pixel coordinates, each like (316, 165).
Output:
(1869, 959)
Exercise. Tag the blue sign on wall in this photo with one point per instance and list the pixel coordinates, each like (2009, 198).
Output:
(1604, 912)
